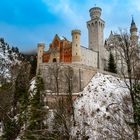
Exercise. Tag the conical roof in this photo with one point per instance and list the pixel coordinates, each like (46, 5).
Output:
(133, 25)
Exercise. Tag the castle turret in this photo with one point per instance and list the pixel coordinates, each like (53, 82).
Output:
(95, 33)
(133, 31)
(40, 52)
(76, 50)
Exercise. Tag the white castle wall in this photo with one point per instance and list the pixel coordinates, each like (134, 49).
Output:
(76, 51)
(89, 57)
(96, 34)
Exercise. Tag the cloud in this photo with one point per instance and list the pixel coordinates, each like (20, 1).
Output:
(136, 5)
(71, 14)
(58, 6)
(26, 22)
(65, 9)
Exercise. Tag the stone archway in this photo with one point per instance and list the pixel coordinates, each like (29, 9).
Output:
(54, 60)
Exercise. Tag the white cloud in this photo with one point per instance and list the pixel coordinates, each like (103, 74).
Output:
(58, 5)
(71, 14)
(61, 7)
(67, 11)
(136, 5)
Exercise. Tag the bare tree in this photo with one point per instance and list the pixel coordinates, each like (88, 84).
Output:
(116, 122)
(54, 72)
(69, 74)
(128, 66)
(62, 79)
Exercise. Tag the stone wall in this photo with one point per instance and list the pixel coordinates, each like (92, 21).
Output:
(89, 57)
(60, 78)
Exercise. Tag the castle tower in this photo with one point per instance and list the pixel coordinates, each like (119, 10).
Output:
(76, 50)
(133, 31)
(95, 33)
(40, 52)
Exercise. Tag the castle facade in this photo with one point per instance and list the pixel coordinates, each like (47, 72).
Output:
(62, 50)
(96, 55)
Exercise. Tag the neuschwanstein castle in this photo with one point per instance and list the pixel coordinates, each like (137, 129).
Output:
(64, 51)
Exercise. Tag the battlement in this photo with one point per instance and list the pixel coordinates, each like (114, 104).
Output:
(76, 31)
(95, 12)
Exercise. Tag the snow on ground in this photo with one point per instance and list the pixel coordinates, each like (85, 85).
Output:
(91, 108)
(32, 84)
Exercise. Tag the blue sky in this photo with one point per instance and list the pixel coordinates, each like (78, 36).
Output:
(24, 23)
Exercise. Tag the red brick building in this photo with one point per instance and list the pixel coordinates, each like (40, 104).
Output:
(60, 50)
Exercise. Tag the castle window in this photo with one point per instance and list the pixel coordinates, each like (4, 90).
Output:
(76, 36)
(76, 53)
(76, 45)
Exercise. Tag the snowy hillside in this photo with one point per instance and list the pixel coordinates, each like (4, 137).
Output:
(99, 109)
(9, 56)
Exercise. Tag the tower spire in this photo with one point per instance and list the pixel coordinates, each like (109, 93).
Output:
(133, 27)
(133, 22)
(133, 30)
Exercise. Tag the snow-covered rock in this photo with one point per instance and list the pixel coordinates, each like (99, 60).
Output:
(98, 106)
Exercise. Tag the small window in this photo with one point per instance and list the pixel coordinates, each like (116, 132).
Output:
(76, 36)
(76, 53)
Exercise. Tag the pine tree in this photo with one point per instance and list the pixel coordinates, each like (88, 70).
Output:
(35, 129)
(10, 129)
(17, 114)
(111, 64)
(33, 63)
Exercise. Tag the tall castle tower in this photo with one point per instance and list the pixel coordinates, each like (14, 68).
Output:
(133, 31)
(76, 50)
(96, 35)
(40, 52)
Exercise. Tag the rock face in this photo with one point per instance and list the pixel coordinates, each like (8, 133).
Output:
(99, 109)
